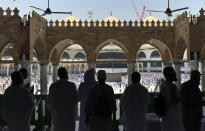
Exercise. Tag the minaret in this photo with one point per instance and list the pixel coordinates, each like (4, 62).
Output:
(90, 14)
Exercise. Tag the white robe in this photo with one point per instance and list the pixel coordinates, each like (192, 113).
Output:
(172, 121)
(83, 92)
(62, 101)
(17, 108)
(134, 103)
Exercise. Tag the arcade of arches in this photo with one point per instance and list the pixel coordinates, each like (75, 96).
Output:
(41, 46)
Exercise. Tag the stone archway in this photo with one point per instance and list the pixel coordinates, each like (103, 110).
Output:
(57, 51)
(107, 42)
(162, 48)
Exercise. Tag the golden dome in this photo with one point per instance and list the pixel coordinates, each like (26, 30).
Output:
(150, 18)
(71, 18)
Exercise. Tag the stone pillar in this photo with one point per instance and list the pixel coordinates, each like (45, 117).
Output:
(177, 68)
(85, 67)
(193, 65)
(7, 70)
(91, 65)
(131, 68)
(43, 77)
(165, 64)
(148, 66)
(16, 66)
(202, 64)
(55, 71)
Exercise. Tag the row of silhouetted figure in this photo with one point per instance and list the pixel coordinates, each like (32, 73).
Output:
(182, 110)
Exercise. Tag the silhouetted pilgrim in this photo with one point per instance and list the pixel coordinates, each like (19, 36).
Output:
(135, 102)
(100, 105)
(17, 105)
(83, 91)
(192, 102)
(172, 121)
(62, 102)
(24, 73)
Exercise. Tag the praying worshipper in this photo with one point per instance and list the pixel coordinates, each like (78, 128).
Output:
(135, 101)
(83, 91)
(100, 105)
(18, 105)
(172, 121)
(62, 102)
(192, 102)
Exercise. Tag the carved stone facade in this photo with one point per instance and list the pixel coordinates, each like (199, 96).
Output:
(50, 39)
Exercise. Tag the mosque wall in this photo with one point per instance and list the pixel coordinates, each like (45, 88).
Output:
(171, 39)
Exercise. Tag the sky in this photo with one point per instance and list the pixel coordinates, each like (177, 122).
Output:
(121, 9)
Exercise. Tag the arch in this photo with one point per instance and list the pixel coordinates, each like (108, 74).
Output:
(180, 49)
(65, 56)
(7, 55)
(108, 42)
(155, 54)
(141, 55)
(61, 46)
(80, 55)
(161, 47)
(13, 50)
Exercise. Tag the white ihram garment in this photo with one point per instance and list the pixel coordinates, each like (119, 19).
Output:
(173, 120)
(62, 101)
(135, 102)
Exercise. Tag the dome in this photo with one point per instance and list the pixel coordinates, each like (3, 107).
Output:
(111, 18)
(71, 18)
(150, 18)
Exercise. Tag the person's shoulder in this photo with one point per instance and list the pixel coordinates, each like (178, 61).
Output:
(185, 84)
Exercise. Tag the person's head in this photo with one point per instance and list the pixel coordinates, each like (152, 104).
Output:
(169, 74)
(101, 75)
(62, 73)
(195, 76)
(24, 73)
(89, 76)
(136, 77)
(17, 78)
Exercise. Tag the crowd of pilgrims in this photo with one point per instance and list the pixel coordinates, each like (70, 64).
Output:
(148, 79)
(182, 108)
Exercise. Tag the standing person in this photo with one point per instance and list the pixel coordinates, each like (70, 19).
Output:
(62, 102)
(100, 105)
(83, 91)
(192, 102)
(24, 73)
(172, 120)
(135, 101)
(17, 105)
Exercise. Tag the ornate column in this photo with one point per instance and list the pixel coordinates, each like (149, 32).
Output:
(43, 77)
(177, 68)
(131, 68)
(55, 71)
(201, 65)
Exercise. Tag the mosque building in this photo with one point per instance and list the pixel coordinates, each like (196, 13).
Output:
(111, 44)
